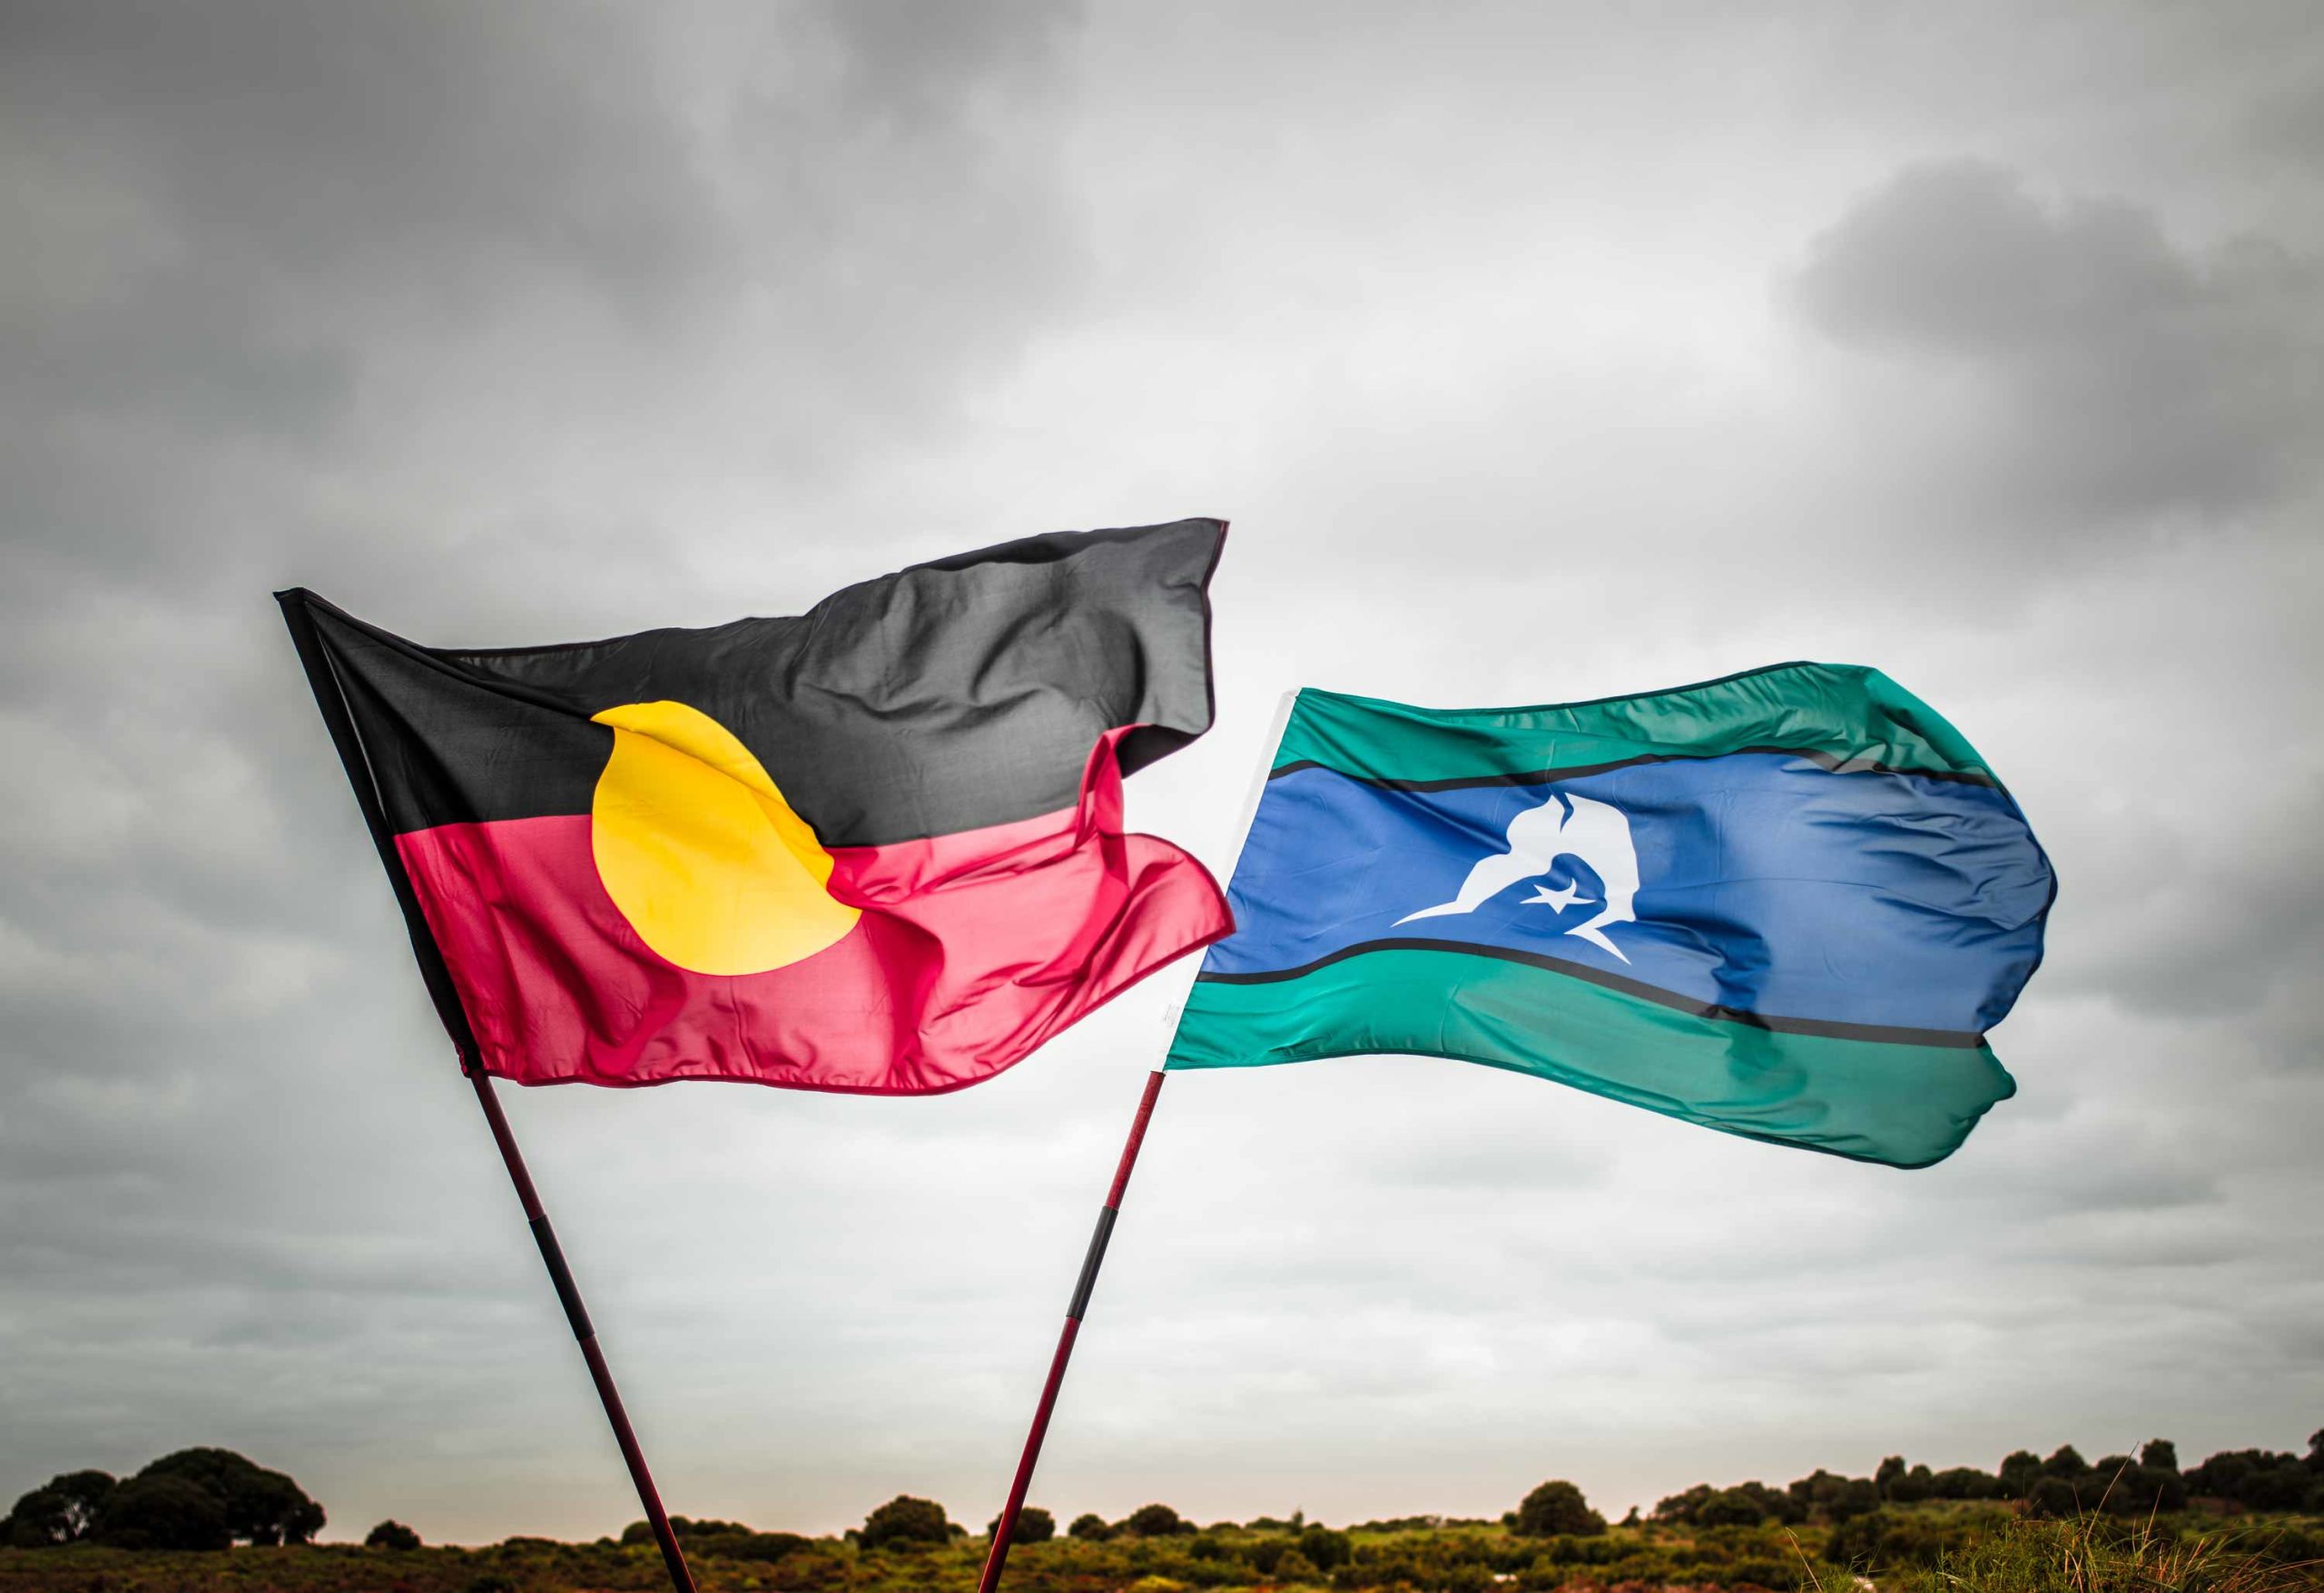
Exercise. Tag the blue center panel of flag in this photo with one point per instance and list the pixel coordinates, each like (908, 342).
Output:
(1896, 900)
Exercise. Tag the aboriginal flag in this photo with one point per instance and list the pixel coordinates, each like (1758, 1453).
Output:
(875, 848)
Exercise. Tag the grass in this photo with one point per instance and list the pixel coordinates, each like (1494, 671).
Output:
(2099, 1554)
(1930, 1550)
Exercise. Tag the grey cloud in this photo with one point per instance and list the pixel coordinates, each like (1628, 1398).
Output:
(285, 232)
(2129, 376)
(2285, 127)
(910, 63)
(207, 255)
(2207, 917)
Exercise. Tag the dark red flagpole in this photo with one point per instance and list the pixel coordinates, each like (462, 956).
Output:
(998, 1556)
(333, 701)
(577, 1315)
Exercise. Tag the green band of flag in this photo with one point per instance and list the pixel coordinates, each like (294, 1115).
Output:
(1846, 716)
(1816, 1091)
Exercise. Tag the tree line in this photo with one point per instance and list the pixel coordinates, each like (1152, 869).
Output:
(2064, 1485)
(2061, 1486)
(210, 1499)
(907, 1522)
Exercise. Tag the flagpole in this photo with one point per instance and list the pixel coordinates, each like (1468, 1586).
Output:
(330, 698)
(576, 1314)
(998, 1556)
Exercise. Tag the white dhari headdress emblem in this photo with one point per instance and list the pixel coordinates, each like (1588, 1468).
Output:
(1565, 826)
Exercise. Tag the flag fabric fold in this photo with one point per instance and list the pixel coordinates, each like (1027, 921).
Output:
(1788, 904)
(875, 848)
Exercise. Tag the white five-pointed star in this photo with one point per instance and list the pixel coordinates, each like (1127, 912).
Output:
(1556, 900)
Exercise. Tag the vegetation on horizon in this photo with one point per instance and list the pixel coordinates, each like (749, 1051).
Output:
(198, 1499)
(2243, 1521)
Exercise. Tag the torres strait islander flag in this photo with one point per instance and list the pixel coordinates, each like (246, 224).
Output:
(1788, 904)
(875, 848)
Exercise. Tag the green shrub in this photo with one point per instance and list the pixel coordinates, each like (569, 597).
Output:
(1730, 1508)
(765, 1547)
(2018, 1473)
(2141, 1491)
(1506, 1556)
(1555, 1508)
(1656, 1569)
(2053, 1498)
(1682, 1506)
(685, 1528)
(1856, 1496)
(391, 1535)
(1154, 1520)
(1215, 1573)
(906, 1522)
(1034, 1525)
(1325, 1549)
(1913, 1487)
(1966, 1482)
(1882, 1539)
(1568, 1549)
(2067, 1462)
(1295, 1568)
(1823, 1496)
(2280, 1487)
(1264, 1555)
(1699, 1554)
(2260, 1479)
(1091, 1527)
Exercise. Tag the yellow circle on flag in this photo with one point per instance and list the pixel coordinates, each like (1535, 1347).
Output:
(699, 850)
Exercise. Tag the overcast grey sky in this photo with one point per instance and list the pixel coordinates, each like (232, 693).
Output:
(1536, 351)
